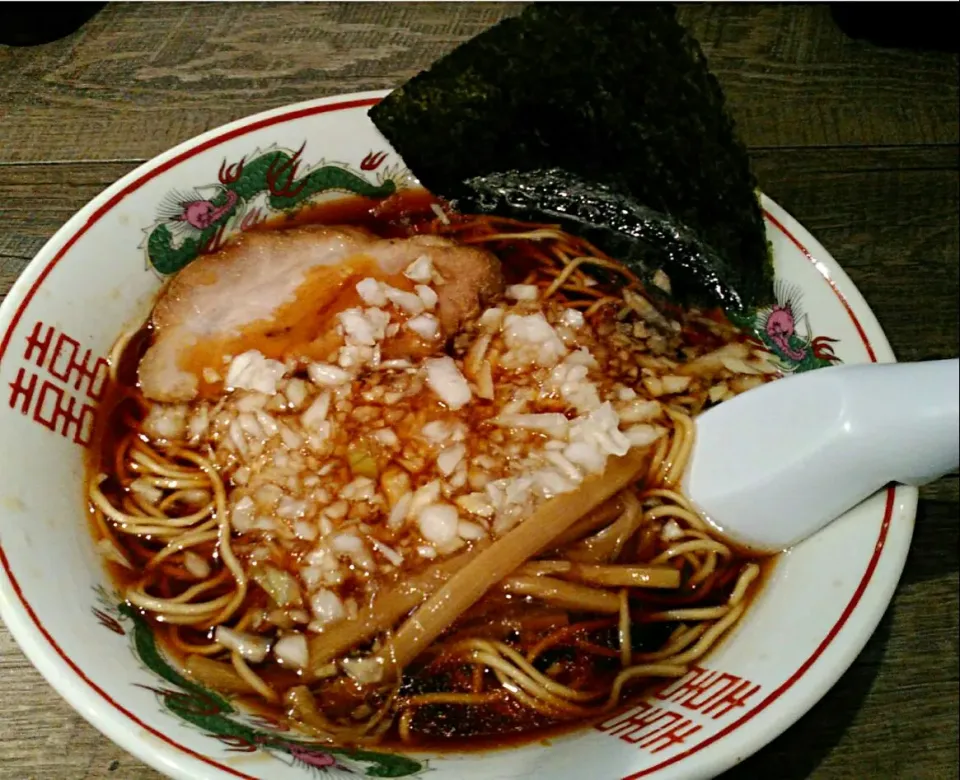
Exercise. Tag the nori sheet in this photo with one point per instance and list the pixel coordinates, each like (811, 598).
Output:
(639, 237)
(619, 94)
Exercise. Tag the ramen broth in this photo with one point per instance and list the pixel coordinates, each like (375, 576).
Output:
(455, 694)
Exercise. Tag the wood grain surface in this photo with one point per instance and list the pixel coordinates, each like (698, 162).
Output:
(859, 143)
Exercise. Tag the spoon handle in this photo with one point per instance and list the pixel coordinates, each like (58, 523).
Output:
(907, 417)
(776, 464)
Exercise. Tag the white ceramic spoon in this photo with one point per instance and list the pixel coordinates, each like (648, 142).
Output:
(778, 463)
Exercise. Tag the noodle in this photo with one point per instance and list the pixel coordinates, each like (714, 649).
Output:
(633, 576)
(568, 595)
(535, 613)
(252, 679)
(609, 542)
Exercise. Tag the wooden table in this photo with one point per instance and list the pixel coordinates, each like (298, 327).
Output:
(859, 143)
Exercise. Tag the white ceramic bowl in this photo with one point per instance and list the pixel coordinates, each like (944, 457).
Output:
(99, 274)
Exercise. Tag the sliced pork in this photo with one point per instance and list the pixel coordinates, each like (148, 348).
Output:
(280, 293)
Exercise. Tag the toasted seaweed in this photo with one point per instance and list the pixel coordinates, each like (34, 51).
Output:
(643, 239)
(618, 94)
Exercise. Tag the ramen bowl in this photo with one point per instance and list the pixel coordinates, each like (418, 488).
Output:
(99, 275)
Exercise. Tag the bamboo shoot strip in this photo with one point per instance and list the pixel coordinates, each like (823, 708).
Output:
(216, 675)
(504, 556)
(382, 614)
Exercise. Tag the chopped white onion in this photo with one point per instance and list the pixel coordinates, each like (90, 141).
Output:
(491, 319)
(296, 392)
(420, 270)
(353, 547)
(291, 508)
(166, 421)
(485, 387)
(661, 280)
(242, 514)
(717, 392)
(252, 371)
(601, 428)
(268, 495)
(337, 510)
(587, 455)
(364, 327)
(643, 435)
(327, 607)
(199, 422)
(532, 339)
(112, 552)
(387, 552)
(371, 291)
(458, 480)
(387, 437)
(675, 384)
(400, 511)
(653, 386)
(449, 458)
(353, 356)
(408, 301)
(428, 295)
(291, 439)
(395, 364)
(291, 651)
(436, 431)
(639, 410)
(250, 647)
(570, 379)
(365, 671)
(475, 504)
(470, 531)
(551, 482)
(326, 375)
(250, 402)
(197, 566)
(441, 214)
(267, 424)
(563, 465)
(671, 531)
(438, 523)
(248, 424)
(316, 413)
(426, 326)
(522, 292)
(146, 491)
(305, 530)
(423, 496)
(360, 489)
(572, 318)
(279, 584)
(582, 357)
(445, 379)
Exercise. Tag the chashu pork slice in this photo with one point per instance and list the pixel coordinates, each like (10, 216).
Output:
(279, 292)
